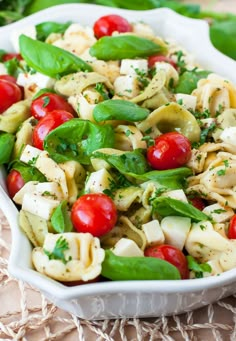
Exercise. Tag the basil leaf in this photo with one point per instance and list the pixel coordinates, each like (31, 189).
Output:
(77, 139)
(166, 206)
(13, 67)
(189, 79)
(48, 59)
(124, 46)
(198, 268)
(128, 162)
(222, 34)
(28, 173)
(119, 110)
(45, 28)
(7, 141)
(60, 219)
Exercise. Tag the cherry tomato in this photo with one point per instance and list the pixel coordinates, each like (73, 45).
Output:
(171, 150)
(198, 203)
(170, 254)
(107, 24)
(52, 120)
(14, 182)
(9, 56)
(232, 228)
(94, 213)
(47, 102)
(160, 58)
(10, 93)
(8, 78)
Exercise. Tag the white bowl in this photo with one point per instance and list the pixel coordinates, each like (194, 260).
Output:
(127, 298)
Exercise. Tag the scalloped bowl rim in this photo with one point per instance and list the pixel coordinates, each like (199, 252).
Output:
(19, 263)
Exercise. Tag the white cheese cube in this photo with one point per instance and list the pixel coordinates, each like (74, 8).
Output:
(3, 70)
(176, 230)
(229, 135)
(133, 66)
(39, 205)
(153, 232)
(189, 102)
(29, 31)
(126, 86)
(37, 80)
(30, 154)
(127, 248)
(177, 194)
(219, 213)
(98, 181)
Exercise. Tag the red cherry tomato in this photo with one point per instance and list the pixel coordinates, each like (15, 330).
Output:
(107, 24)
(94, 213)
(9, 56)
(52, 120)
(160, 58)
(14, 182)
(8, 78)
(171, 150)
(47, 102)
(170, 254)
(198, 203)
(232, 228)
(10, 93)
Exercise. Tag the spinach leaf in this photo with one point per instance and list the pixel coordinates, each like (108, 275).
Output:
(124, 46)
(189, 79)
(7, 141)
(45, 28)
(222, 34)
(77, 139)
(128, 162)
(48, 59)
(60, 219)
(166, 206)
(28, 172)
(119, 110)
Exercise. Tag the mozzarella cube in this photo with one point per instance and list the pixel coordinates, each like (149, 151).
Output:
(29, 31)
(153, 232)
(30, 154)
(3, 70)
(126, 86)
(34, 82)
(39, 205)
(176, 230)
(98, 181)
(133, 66)
(189, 102)
(229, 135)
(177, 194)
(219, 213)
(127, 248)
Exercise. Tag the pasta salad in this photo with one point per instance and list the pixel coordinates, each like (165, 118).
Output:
(120, 152)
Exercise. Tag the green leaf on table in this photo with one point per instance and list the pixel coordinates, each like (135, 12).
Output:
(222, 34)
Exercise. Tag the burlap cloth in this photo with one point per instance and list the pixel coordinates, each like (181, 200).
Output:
(26, 315)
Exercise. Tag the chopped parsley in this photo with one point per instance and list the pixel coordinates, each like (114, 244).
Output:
(58, 252)
(198, 268)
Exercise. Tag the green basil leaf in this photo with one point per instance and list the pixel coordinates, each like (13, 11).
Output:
(77, 139)
(48, 59)
(166, 206)
(222, 34)
(7, 141)
(13, 67)
(197, 267)
(189, 79)
(124, 46)
(60, 219)
(45, 28)
(28, 173)
(119, 110)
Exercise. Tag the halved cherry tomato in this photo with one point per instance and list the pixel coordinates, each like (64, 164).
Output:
(94, 213)
(14, 182)
(47, 102)
(52, 120)
(9, 56)
(10, 93)
(232, 228)
(170, 254)
(160, 58)
(198, 203)
(8, 78)
(171, 150)
(107, 24)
